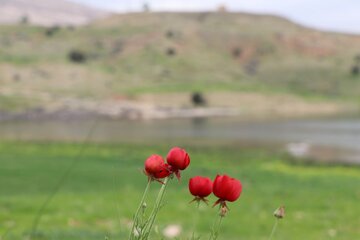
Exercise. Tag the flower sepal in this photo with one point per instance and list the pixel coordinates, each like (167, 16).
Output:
(200, 199)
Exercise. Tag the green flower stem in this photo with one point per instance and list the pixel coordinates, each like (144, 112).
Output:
(216, 227)
(159, 200)
(136, 216)
(196, 219)
(274, 228)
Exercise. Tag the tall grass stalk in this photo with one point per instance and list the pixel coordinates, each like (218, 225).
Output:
(216, 227)
(136, 219)
(274, 229)
(156, 209)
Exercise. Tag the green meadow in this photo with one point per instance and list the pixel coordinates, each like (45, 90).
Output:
(101, 192)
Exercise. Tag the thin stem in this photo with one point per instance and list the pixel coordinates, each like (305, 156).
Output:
(274, 228)
(136, 216)
(219, 225)
(196, 219)
(61, 181)
(216, 227)
(150, 223)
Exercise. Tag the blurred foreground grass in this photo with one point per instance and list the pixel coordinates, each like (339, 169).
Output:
(103, 190)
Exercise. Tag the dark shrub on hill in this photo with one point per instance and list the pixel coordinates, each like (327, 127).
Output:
(77, 56)
(357, 59)
(236, 52)
(146, 7)
(171, 51)
(52, 30)
(169, 34)
(24, 20)
(355, 70)
(222, 8)
(198, 99)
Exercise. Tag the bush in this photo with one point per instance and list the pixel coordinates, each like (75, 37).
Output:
(236, 52)
(77, 56)
(355, 70)
(169, 34)
(357, 59)
(24, 20)
(52, 30)
(171, 51)
(198, 99)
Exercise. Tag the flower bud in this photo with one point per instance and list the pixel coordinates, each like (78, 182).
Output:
(280, 212)
(227, 188)
(178, 159)
(200, 186)
(156, 168)
(163, 172)
(154, 164)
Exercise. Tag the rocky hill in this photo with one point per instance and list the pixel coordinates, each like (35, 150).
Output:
(238, 60)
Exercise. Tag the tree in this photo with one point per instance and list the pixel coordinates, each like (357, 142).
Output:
(146, 7)
(24, 20)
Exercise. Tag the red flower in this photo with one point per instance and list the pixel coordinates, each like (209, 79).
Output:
(164, 172)
(200, 187)
(226, 189)
(178, 159)
(156, 168)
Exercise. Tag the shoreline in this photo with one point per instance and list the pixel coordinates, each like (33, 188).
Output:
(136, 114)
(172, 106)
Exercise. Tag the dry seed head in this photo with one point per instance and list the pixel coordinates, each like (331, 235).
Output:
(280, 212)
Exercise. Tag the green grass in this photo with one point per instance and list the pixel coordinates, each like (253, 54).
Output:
(15, 104)
(102, 191)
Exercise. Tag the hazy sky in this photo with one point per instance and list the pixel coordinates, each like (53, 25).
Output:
(336, 15)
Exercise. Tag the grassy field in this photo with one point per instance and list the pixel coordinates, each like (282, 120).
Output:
(99, 196)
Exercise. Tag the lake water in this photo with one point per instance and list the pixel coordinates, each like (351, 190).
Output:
(336, 133)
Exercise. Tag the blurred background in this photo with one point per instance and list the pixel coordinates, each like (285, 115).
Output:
(265, 91)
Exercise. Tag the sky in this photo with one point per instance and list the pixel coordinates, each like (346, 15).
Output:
(332, 15)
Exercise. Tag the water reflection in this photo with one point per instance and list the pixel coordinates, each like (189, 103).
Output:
(337, 133)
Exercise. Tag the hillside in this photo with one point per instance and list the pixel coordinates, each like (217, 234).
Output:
(147, 56)
(47, 12)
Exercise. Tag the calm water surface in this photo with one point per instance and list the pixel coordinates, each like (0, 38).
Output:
(336, 132)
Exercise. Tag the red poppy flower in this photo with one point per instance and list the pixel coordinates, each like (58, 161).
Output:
(200, 187)
(178, 159)
(226, 189)
(156, 168)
